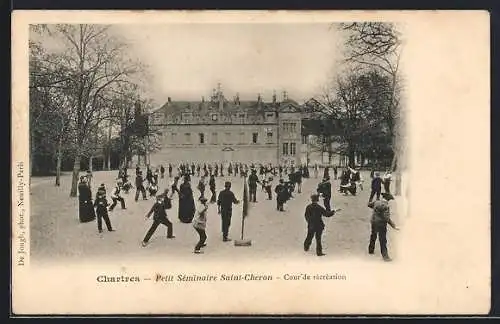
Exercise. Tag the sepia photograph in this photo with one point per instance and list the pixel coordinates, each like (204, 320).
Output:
(241, 152)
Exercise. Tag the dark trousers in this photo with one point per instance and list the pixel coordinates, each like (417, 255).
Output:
(253, 193)
(299, 187)
(202, 194)
(269, 193)
(387, 187)
(372, 194)
(381, 232)
(226, 222)
(203, 238)
(115, 201)
(314, 232)
(279, 204)
(214, 195)
(102, 213)
(162, 175)
(155, 225)
(142, 190)
(326, 203)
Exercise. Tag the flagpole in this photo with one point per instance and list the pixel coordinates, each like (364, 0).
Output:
(242, 241)
(243, 209)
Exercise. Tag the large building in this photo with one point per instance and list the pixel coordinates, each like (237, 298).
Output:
(223, 130)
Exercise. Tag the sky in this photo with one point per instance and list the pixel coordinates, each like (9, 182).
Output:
(187, 61)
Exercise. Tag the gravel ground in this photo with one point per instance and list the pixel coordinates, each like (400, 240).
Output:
(56, 233)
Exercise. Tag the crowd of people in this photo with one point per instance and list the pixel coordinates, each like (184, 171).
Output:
(288, 183)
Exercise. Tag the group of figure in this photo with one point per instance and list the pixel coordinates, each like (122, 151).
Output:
(264, 175)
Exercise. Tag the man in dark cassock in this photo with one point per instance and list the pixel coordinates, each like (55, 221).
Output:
(101, 204)
(236, 169)
(170, 170)
(225, 209)
(149, 175)
(326, 172)
(314, 217)
(325, 189)
(381, 216)
(193, 168)
(162, 171)
(159, 217)
(86, 211)
(230, 170)
(252, 185)
(221, 170)
(216, 171)
(186, 202)
(211, 184)
(139, 187)
(282, 195)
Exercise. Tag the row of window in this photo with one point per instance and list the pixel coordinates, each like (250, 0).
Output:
(290, 127)
(289, 149)
(214, 138)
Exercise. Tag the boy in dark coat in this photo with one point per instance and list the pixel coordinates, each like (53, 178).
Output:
(101, 204)
(282, 195)
(314, 217)
(376, 187)
(159, 217)
(225, 209)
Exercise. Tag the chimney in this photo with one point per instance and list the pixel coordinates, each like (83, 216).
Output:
(169, 100)
(274, 96)
(202, 99)
(237, 99)
(259, 98)
(285, 96)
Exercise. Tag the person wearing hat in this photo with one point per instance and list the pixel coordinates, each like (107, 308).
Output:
(325, 189)
(115, 196)
(201, 187)
(282, 195)
(225, 209)
(101, 204)
(139, 187)
(186, 201)
(86, 212)
(381, 216)
(314, 217)
(159, 217)
(200, 223)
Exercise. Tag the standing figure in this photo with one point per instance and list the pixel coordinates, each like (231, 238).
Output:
(162, 171)
(201, 187)
(376, 187)
(155, 176)
(335, 172)
(86, 212)
(252, 185)
(174, 185)
(159, 217)
(211, 184)
(149, 175)
(198, 169)
(137, 170)
(325, 189)
(225, 209)
(139, 187)
(298, 179)
(153, 189)
(387, 181)
(268, 187)
(381, 216)
(230, 170)
(221, 170)
(282, 195)
(101, 204)
(170, 170)
(116, 197)
(193, 168)
(186, 202)
(315, 225)
(200, 224)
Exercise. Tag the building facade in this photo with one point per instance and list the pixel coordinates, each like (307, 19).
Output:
(221, 130)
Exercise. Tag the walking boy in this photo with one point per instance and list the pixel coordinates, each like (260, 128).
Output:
(225, 209)
(315, 225)
(115, 196)
(159, 217)
(376, 187)
(380, 218)
(200, 223)
(101, 204)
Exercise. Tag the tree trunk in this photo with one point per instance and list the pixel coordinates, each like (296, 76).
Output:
(58, 162)
(351, 157)
(75, 176)
(91, 160)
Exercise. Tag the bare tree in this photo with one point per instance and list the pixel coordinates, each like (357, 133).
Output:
(94, 62)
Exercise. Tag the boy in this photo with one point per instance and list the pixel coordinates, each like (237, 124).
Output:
(376, 186)
(101, 204)
(380, 218)
(200, 223)
(159, 217)
(115, 196)
(315, 225)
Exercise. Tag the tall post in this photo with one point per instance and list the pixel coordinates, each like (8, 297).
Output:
(109, 146)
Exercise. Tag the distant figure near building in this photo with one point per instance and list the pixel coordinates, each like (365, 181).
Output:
(387, 181)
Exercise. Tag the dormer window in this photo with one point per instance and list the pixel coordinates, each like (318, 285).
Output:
(214, 117)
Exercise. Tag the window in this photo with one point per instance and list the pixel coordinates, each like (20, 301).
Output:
(293, 127)
(228, 138)
(285, 148)
(241, 118)
(285, 127)
(202, 138)
(187, 137)
(214, 138)
(214, 117)
(304, 139)
(174, 137)
(242, 138)
(255, 137)
(292, 148)
(270, 115)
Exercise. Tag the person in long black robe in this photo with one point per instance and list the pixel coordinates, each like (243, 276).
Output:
(86, 208)
(186, 202)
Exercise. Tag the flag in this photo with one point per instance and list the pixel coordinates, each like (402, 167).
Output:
(245, 198)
